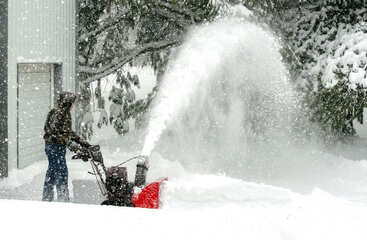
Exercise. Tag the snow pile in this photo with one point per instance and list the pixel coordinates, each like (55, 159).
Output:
(195, 191)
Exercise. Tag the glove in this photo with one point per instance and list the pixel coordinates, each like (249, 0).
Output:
(82, 154)
(74, 147)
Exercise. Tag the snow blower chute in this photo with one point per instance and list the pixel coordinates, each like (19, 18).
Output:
(113, 181)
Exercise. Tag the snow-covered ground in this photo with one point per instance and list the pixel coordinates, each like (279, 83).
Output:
(194, 206)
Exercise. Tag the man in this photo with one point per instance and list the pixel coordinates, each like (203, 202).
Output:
(59, 135)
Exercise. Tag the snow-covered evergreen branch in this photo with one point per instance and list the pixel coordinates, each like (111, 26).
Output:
(98, 73)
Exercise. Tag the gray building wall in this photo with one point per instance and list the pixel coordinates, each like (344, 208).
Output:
(3, 88)
(39, 32)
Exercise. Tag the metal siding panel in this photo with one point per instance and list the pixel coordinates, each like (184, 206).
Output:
(76, 70)
(62, 51)
(4, 88)
(65, 42)
(42, 13)
(44, 30)
(72, 41)
(65, 38)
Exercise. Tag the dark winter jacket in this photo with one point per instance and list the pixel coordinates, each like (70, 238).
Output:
(58, 126)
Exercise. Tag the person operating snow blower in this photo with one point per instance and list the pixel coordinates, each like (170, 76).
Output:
(58, 136)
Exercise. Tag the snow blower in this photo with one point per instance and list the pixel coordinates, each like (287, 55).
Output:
(113, 181)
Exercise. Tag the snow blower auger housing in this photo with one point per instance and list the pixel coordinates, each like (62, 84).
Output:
(113, 181)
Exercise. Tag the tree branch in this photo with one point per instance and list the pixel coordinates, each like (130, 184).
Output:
(113, 67)
(101, 28)
(173, 8)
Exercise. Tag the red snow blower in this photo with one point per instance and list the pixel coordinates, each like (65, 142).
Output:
(113, 181)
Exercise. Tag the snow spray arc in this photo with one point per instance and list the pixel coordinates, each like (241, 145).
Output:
(226, 89)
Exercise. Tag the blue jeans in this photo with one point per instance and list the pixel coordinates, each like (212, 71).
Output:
(57, 174)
